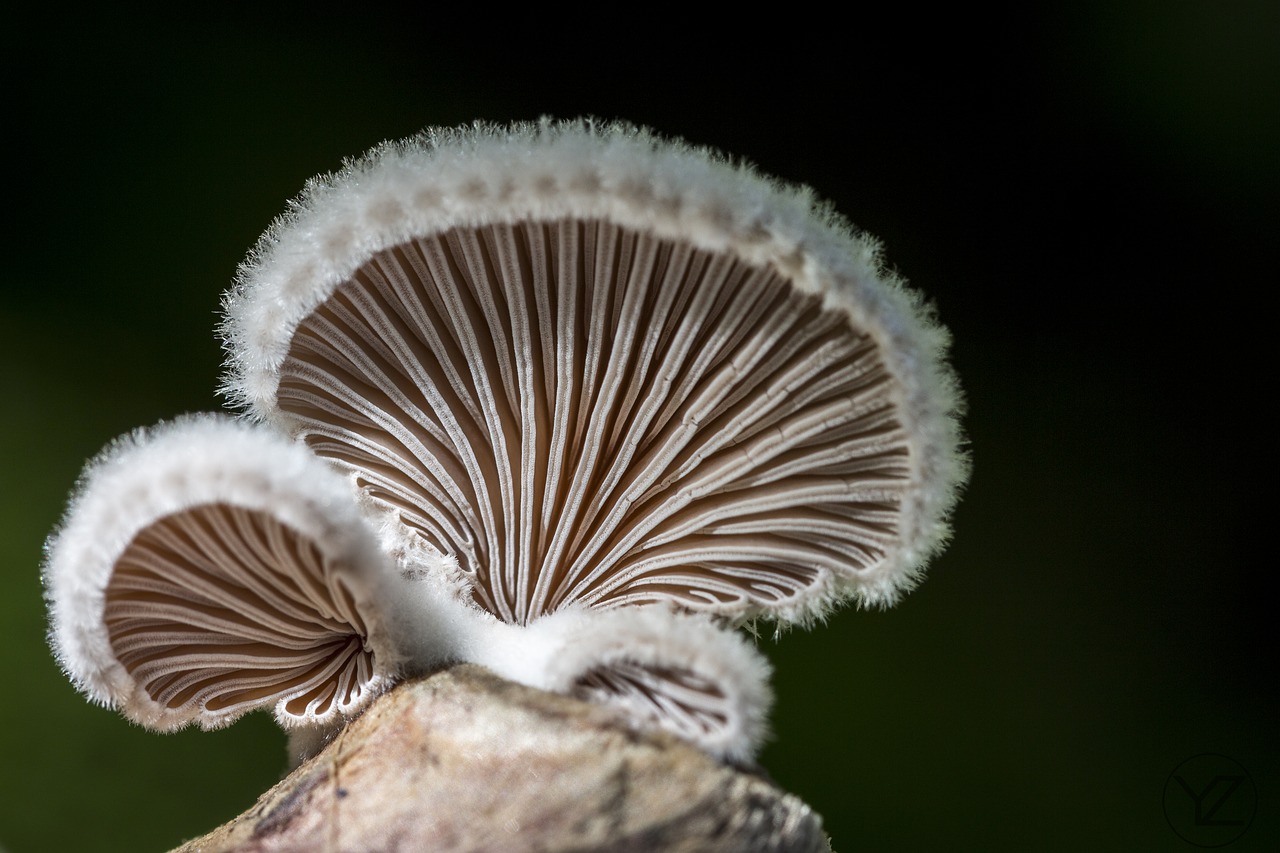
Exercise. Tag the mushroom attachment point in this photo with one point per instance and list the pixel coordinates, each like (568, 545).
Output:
(207, 568)
(659, 668)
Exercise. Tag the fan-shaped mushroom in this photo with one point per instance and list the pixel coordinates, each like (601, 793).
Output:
(208, 568)
(597, 369)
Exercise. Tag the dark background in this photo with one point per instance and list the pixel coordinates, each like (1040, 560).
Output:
(1088, 192)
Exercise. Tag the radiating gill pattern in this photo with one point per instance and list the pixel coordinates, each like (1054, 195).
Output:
(585, 414)
(677, 699)
(223, 609)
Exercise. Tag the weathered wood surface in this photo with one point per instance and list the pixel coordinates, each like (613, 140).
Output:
(462, 760)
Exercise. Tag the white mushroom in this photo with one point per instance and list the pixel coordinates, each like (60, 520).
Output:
(602, 397)
(206, 569)
(675, 671)
(597, 369)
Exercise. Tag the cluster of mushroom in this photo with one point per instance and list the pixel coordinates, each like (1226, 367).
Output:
(565, 400)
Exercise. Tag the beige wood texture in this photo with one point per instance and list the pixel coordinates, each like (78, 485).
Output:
(463, 760)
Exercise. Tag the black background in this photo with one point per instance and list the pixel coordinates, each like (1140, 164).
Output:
(1088, 192)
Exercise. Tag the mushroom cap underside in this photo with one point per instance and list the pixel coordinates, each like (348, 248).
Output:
(596, 369)
(207, 569)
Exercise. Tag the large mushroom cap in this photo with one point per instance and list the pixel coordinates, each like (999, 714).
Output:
(207, 569)
(599, 369)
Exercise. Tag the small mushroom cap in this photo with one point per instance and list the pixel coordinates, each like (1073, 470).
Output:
(679, 672)
(207, 568)
(594, 368)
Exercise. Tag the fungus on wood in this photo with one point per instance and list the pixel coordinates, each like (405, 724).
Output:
(565, 400)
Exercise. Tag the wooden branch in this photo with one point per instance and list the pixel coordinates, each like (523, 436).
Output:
(463, 760)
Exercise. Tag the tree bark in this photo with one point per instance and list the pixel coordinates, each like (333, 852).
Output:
(462, 760)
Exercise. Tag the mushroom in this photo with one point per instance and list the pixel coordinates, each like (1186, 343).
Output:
(590, 367)
(206, 569)
(595, 398)
(662, 669)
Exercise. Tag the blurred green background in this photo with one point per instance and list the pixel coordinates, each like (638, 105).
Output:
(1087, 191)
